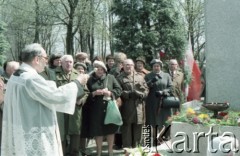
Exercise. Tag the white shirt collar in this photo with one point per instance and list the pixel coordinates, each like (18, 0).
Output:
(172, 72)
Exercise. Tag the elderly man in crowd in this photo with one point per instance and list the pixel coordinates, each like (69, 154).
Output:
(68, 124)
(117, 69)
(29, 119)
(9, 68)
(177, 79)
(135, 91)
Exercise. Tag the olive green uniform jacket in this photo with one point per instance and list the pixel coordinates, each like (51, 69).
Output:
(68, 124)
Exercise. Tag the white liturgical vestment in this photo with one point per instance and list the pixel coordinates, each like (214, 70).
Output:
(29, 116)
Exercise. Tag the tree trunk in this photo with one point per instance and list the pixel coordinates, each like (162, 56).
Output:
(69, 39)
(91, 31)
(37, 23)
(110, 19)
(83, 40)
(70, 32)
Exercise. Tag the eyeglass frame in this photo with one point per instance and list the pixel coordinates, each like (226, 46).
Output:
(45, 57)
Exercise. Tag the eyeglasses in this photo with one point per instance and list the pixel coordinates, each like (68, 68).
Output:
(45, 57)
(128, 64)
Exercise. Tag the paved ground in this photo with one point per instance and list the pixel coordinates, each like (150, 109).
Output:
(91, 150)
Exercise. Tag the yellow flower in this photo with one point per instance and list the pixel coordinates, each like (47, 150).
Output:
(190, 111)
(203, 116)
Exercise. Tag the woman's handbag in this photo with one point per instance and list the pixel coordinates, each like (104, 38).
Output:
(113, 115)
(170, 102)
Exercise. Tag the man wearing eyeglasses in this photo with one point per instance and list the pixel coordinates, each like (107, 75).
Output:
(135, 90)
(31, 102)
(177, 79)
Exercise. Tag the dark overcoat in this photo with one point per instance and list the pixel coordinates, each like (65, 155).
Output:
(155, 115)
(97, 106)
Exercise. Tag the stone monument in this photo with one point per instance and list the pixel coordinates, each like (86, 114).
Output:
(222, 23)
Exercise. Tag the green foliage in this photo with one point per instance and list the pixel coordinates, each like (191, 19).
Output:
(4, 45)
(146, 27)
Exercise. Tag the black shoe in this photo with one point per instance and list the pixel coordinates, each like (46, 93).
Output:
(115, 147)
(85, 153)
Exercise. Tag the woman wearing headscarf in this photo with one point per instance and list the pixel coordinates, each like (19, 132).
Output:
(160, 84)
(101, 85)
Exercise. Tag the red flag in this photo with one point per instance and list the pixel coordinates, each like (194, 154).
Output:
(195, 86)
(162, 53)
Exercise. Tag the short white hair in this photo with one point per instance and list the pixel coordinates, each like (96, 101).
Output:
(127, 61)
(65, 57)
(173, 61)
(13, 64)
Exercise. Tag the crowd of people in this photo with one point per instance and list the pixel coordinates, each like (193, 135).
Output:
(55, 105)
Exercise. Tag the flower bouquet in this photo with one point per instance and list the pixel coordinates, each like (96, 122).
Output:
(190, 116)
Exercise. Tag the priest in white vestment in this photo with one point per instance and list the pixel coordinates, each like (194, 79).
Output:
(29, 116)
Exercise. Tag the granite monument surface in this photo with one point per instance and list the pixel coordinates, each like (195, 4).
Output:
(222, 25)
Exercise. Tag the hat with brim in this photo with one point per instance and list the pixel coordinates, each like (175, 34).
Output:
(97, 63)
(142, 59)
(156, 61)
(80, 64)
